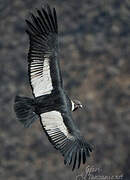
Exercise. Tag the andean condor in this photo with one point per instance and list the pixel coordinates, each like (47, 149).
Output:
(50, 103)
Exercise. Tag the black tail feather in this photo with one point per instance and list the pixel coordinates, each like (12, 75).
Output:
(25, 110)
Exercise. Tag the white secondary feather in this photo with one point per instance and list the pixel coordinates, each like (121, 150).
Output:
(40, 77)
(52, 120)
(53, 123)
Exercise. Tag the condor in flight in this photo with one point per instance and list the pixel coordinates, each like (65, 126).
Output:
(50, 103)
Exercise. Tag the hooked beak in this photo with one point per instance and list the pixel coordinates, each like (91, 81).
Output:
(81, 106)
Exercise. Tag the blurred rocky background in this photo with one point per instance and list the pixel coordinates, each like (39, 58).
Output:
(95, 60)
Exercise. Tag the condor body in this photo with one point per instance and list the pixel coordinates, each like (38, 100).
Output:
(51, 104)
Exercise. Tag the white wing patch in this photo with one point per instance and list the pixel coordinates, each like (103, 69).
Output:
(40, 77)
(53, 124)
(53, 120)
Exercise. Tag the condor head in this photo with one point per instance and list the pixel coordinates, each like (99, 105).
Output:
(76, 104)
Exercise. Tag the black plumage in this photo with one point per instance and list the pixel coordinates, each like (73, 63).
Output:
(51, 103)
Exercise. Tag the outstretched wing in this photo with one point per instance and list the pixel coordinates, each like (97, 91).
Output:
(44, 70)
(65, 137)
